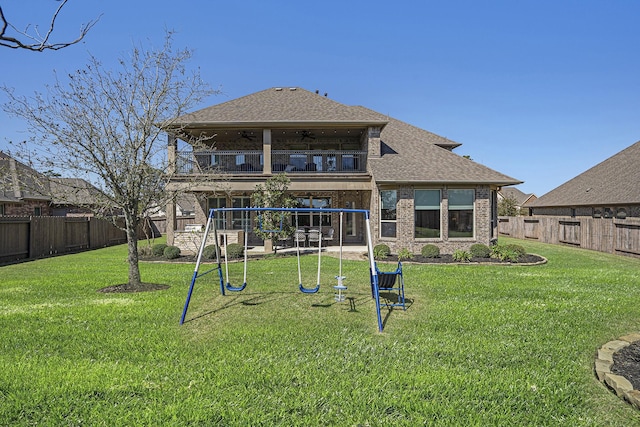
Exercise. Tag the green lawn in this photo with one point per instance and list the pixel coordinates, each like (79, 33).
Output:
(478, 346)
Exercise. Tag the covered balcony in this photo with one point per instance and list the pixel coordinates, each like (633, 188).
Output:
(253, 162)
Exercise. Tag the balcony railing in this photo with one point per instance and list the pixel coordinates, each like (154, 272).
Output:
(194, 162)
(290, 161)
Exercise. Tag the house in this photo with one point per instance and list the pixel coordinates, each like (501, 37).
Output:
(520, 198)
(75, 197)
(417, 190)
(23, 190)
(27, 192)
(610, 189)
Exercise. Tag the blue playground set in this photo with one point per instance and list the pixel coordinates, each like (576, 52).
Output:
(392, 281)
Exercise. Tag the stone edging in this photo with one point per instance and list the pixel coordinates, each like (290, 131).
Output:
(604, 361)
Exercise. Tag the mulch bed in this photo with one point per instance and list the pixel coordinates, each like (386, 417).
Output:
(448, 259)
(626, 363)
(442, 259)
(124, 288)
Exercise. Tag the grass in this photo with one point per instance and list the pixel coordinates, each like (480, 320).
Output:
(478, 346)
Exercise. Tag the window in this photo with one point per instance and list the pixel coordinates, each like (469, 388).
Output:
(37, 211)
(388, 200)
(216, 203)
(2, 209)
(241, 220)
(313, 219)
(461, 213)
(427, 213)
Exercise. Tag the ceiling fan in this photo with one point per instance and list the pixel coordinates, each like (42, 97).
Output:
(306, 134)
(246, 136)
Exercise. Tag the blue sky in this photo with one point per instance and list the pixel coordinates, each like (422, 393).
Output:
(540, 90)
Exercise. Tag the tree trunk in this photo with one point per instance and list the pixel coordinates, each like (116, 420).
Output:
(132, 258)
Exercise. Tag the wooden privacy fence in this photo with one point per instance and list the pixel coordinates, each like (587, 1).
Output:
(612, 235)
(42, 236)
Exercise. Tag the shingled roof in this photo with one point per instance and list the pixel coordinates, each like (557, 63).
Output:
(611, 182)
(278, 106)
(520, 197)
(19, 182)
(408, 153)
(411, 154)
(74, 191)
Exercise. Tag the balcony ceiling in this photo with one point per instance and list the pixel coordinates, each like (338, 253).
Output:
(307, 135)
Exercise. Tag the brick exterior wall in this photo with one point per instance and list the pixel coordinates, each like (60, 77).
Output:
(405, 215)
(27, 208)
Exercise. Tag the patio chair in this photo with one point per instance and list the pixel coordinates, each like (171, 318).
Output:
(328, 237)
(300, 237)
(314, 236)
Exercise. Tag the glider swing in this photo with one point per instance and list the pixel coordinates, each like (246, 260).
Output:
(387, 283)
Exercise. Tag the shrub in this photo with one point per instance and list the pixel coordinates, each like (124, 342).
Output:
(478, 250)
(235, 250)
(404, 254)
(381, 251)
(171, 252)
(158, 249)
(430, 251)
(209, 252)
(461, 256)
(516, 248)
(145, 251)
(507, 252)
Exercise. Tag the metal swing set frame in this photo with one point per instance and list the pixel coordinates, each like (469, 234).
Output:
(387, 281)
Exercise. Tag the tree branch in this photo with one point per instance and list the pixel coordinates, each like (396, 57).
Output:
(37, 42)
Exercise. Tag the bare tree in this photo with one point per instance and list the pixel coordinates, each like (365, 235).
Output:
(35, 40)
(103, 125)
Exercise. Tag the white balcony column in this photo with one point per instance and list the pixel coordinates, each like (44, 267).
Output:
(266, 151)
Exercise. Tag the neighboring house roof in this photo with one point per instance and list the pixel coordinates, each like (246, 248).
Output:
(19, 182)
(74, 191)
(408, 153)
(514, 193)
(611, 182)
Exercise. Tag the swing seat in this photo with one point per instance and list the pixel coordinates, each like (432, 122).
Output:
(309, 290)
(232, 288)
(392, 282)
